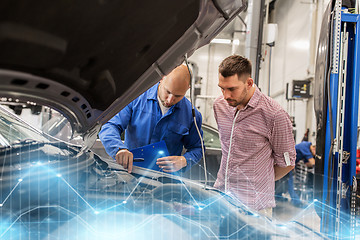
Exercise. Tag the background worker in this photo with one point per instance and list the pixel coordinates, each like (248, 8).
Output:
(256, 138)
(305, 151)
(160, 113)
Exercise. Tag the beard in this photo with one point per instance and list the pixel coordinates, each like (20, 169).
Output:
(167, 105)
(235, 103)
(159, 97)
(240, 100)
(232, 102)
(164, 103)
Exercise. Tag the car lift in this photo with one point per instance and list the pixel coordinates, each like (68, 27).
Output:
(338, 213)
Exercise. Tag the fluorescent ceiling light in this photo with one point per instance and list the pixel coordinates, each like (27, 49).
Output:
(219, 40)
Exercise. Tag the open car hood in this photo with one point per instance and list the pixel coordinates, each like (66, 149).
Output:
(88, 59)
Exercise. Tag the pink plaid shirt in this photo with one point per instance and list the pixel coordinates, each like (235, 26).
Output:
(262, 134)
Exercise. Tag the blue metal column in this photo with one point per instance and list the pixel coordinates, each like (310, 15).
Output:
(353, 91)
(330, 184)
(330, 161)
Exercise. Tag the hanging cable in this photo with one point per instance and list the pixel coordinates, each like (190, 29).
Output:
(197, 128)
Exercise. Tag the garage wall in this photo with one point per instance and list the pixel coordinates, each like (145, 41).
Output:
(290, 57)
(293, 58)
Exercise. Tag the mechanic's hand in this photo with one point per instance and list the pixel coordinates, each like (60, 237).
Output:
(171, 163)
(125, 158)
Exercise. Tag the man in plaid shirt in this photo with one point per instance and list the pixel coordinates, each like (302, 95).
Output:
(256, 136)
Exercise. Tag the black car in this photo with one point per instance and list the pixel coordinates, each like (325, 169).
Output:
(87, 60)
(51, 189)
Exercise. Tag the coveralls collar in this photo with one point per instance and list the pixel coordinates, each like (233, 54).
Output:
(153, 92)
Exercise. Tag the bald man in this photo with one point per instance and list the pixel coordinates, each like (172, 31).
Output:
(160, 113)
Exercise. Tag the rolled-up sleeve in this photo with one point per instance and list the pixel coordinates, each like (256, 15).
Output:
(282, 139)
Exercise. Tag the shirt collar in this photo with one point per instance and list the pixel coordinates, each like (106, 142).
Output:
(255, 98)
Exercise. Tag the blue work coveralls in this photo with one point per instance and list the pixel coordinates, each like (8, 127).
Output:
(144, 124)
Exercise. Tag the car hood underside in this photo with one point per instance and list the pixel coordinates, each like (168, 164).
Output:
(90, 58)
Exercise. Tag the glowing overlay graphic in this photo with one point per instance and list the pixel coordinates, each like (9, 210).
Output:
(52, 190)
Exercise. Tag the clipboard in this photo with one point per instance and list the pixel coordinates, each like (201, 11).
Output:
(150, 153)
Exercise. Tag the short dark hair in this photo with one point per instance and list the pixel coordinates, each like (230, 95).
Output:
(235, 64)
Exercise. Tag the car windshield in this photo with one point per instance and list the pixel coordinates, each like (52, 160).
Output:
(211, 137)
(12, 131)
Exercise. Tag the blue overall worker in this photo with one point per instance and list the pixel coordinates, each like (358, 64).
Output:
(160, 113)
(305, 151)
